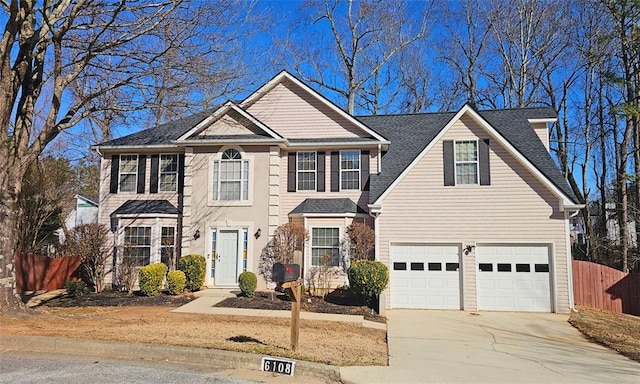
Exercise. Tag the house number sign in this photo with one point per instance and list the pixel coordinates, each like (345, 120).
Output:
(281, 366)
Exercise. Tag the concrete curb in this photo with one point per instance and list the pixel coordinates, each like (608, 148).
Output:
(213, 358)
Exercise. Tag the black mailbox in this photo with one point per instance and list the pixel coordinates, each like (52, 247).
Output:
(283, 273)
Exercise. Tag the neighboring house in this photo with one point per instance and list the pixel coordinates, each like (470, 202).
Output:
(85, 211)
(469, 210)
(612, 224)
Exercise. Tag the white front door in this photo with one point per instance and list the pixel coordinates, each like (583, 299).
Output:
(425, 276)
(226, 269)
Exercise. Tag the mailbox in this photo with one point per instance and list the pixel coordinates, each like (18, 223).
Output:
(283, 273)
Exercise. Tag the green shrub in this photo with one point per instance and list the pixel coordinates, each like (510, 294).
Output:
(150, 278)
(75, 288)
(248, 282)
(368, 278)
(176, 281)
(193, 267)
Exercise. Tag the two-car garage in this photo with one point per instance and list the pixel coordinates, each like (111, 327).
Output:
(508, 277)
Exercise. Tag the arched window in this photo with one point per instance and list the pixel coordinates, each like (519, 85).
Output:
(231, 177)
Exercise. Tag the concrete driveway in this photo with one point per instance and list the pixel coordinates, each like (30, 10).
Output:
(491, 347)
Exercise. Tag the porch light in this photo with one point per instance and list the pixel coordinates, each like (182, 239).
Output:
(196, 235)
(258, 233)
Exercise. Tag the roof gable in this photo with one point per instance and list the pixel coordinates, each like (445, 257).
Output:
(296, 111)
(412, 136)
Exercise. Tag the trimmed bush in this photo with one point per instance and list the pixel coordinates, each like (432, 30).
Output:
(176, 281)
(248, 282)
(193, 267)
(75, 288)
(150, 278)
(368, 278)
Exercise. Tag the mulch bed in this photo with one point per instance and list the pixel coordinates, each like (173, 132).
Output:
(339, 301)
(118, 299)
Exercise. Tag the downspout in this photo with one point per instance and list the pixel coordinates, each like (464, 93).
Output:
(567, 216)
(379, 158)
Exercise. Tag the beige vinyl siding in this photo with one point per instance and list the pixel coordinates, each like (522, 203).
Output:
(203, 214)
(542, 132)
(515, 208)
(227, 125)
(109, 202)
(293, 113)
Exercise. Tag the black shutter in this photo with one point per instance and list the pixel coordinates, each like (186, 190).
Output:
(291, 172)
(449, 174)
(335, 171)
(181, 165)
(153, 184)
(142, 170)
(364, 170)
(115, 170)
(320, 172)
(485, 173)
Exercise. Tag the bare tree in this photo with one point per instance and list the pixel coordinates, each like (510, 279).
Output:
(365, 37)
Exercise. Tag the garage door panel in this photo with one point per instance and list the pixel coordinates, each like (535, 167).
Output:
(507, 278)
(431, 278)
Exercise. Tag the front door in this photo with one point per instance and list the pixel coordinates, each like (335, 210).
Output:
(226, 258)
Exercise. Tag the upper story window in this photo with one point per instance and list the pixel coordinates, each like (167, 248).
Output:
(466, 162)
(128, 173)
(231, 177)
(350, 170)
(168, 173)
(306, 171)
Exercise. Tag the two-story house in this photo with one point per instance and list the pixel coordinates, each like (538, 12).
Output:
(469, 210)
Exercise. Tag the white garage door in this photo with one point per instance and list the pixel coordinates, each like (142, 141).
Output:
(425, 276)
(514, 278)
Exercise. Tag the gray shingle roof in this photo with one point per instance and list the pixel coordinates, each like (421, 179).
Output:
(343, 205)
(136, 207)
(160, 135)
(92, 199)
(410, 134)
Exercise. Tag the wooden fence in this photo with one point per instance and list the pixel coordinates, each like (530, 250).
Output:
(603, 287)
(37, 272)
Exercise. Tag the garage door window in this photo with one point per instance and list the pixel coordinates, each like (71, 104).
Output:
(523, 268)
(452, 267)
(485, 267)
(542, 267)
(399, 266)
(417, 266)
(504, 267)
(435, 266)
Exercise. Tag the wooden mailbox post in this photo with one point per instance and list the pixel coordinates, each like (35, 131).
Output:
(295, 287)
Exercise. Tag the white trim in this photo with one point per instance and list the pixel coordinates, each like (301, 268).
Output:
(340, 240)
(476, 162)
(284, 75)
(466, 109)
(145, 215)
(177, 172)
(137, 171)
(543, 120)
(341, 144)
(569, 261)
(217, 157)
(131, 147)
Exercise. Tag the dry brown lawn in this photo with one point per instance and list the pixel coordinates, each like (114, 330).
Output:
(325, 342)
(614, 330)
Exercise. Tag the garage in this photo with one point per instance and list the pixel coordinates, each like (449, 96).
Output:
(513, 278)
(425, 276)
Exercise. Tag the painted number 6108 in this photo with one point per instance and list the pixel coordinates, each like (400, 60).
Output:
(281, 366)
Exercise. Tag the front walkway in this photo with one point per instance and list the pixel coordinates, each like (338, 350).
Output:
(210, 297)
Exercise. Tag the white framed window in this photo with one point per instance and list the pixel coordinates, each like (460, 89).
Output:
(231, 177)
(128, 173)
(137, 244)
(167, 245)
(350, 170)
(306, 168)
(168, 178)
(466, 162)
(325, 246)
